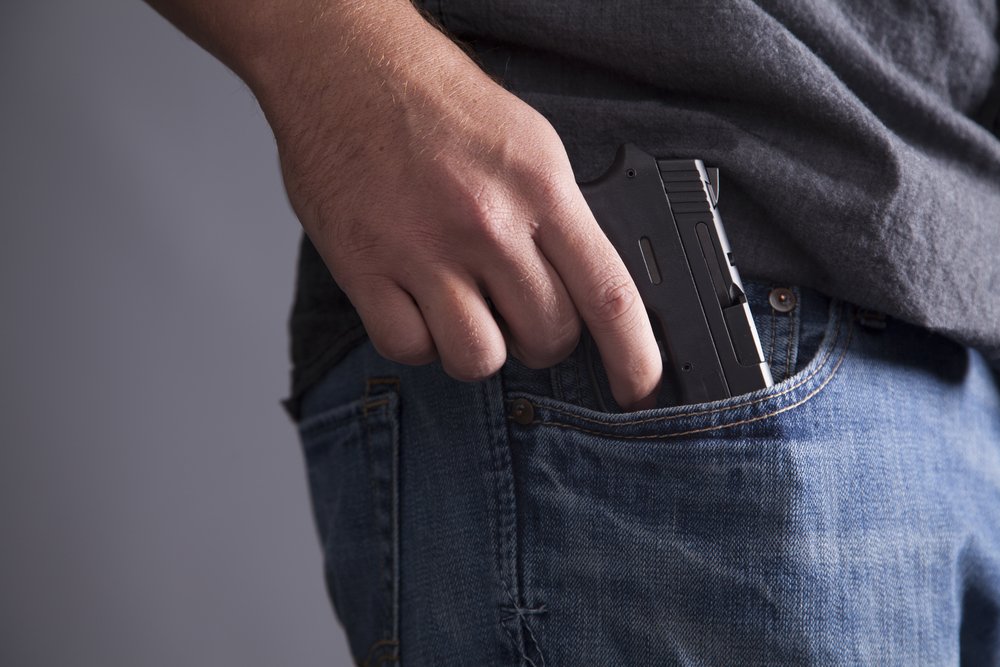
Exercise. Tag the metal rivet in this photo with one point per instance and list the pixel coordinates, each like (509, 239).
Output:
(782, 299)
(522, 411)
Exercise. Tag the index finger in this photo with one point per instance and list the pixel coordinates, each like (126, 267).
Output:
(607, 299)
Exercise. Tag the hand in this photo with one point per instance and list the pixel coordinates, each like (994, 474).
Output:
(428, 189)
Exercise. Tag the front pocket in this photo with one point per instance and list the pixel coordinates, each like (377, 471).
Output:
(683, 535)
(352, 453)
(529, 410)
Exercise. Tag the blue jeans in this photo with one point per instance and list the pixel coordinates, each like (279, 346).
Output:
(848, 515)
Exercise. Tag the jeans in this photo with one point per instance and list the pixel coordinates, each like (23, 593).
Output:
(848, 515)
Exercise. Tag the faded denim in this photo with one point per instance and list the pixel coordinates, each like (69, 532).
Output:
(849, 515)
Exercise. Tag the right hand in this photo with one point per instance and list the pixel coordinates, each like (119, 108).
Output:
(427, 190)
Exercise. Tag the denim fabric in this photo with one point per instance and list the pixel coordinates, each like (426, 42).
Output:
(849, 515)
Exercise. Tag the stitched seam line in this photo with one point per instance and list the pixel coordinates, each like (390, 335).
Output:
(374, 648)
(663, 436)
(371, 405)
(521, 635)
(506, 519)
(791, 342)
(387, 564)
(376, 502)
(820, 366)
(396, 426)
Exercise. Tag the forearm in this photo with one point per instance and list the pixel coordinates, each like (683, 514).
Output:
(285, 49)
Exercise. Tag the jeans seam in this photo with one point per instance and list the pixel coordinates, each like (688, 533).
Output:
(376, 502)
(386, 384)
(505, 497)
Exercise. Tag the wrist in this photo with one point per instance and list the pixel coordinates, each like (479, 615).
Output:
(353, 60)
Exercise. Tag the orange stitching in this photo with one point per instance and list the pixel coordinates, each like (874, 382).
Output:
(374, 404)
(371, 382)
(718, 427)
(819, 366)
(381, 643)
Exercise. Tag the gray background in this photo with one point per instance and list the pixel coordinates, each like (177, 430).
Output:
(153, 507)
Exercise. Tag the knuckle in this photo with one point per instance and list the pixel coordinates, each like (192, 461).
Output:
(557, 192)
(490, 213)
(612, 299)
(497, 231)
(550, 190)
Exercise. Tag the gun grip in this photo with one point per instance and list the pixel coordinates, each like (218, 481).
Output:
(653, 212)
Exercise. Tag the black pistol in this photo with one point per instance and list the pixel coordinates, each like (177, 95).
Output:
(662, 218)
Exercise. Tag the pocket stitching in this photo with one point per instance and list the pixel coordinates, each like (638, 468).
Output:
(819, 367)
(662, 436)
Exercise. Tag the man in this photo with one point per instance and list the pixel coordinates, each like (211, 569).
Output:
(545, 507)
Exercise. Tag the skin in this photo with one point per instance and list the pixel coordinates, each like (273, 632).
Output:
(428, 188)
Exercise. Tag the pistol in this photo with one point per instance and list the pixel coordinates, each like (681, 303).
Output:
(662, 217)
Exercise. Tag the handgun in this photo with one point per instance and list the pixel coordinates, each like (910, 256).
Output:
(662, 217)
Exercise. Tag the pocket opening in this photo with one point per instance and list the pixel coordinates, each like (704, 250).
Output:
(788, 394)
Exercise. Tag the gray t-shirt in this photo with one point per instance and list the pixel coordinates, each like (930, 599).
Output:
(856, 140)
